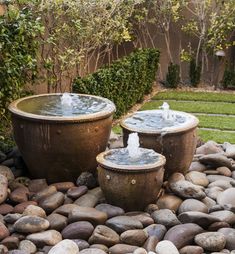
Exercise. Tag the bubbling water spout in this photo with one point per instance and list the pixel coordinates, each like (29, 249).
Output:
(133, 145)
(167, 114)
(66, 103)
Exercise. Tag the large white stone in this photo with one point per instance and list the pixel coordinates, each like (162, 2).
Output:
(65, 246)
(166, 247)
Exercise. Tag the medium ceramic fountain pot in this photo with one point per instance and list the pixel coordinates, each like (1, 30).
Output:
(58, 147)
(176, 142)
(131, 187)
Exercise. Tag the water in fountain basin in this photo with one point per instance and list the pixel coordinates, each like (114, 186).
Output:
(68, 105)
(132, 154)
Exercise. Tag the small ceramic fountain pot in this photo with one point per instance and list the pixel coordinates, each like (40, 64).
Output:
(171, 133)
(131, 177)
(60, 135)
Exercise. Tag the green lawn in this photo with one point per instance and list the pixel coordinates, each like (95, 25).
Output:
(217, 122)
(195, 96)
(218, 136)
(194, 107)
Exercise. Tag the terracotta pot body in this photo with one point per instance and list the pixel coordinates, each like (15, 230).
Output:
(177, 145)
(58, 148)
(129, 187)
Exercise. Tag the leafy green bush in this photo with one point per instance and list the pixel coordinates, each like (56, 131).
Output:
(173, 75)
(125, 81)
(18, 48)
(194, 73)
(228, 80)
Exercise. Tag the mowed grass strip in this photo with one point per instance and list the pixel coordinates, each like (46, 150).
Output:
(217, 122)
(195, 96)
(194, 107)
(217, 136)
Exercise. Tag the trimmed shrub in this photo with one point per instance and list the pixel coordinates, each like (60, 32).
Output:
(173, 76)
(228, 80)
(194, 73)
(125, 81)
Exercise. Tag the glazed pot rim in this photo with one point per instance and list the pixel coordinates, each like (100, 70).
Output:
(13, 108)
(171, 130)
(128, 168)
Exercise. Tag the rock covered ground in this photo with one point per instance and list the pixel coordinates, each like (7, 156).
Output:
(193, 214)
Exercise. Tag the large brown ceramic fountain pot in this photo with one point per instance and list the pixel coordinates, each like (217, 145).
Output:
(177, 143)
(131, 187)
(59, 148)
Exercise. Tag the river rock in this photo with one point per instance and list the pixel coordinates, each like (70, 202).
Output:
(104, 235)
(191, 249)
(57, 221)
(36, 185)
(144, 218)
(186, 189)
(213, 178)
(156, 230)
(3, 249)
(140, 251)
(217, 225)
(169, 201)
(92, 251)
(65, 209)
(197, 166)
(87, 200)
(121, 248)
(209, 202)
(27, 246)
(4, 232)
(87, 179)
(182, 235)
(63, 186)
(82, 244)
(11, 242)
(202, 219)
(65, 246)
(11, 218)
(123, 223)
(22, 206)
(220, 183)
(135, 237)
(210, 147)
(5, 209)
(151, 243)
(87, 214)
(34, 210)
(229, 234)
(19, 195)
(76, 192)
(192, 205)
(227, 197)
(166, 247)
(216, 160)
(197, 178)
(31, 224)
(229, 150)
(50, 203)
(3, 188)
(213, 192)
(165, 217)
(45, 193)
(225, 216)
(4, 170)
(110, 210)
(224, 171)
(49, 237)
(78, 230)
(211, 241)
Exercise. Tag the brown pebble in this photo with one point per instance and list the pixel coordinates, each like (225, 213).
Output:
(5, 209)
(21, 207)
